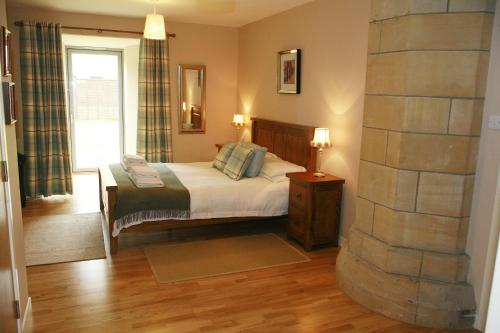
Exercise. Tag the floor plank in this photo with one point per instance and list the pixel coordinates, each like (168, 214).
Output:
(120, 294)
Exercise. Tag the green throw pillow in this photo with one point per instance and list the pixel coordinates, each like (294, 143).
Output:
(253, 169)
(223, 156)
(238, 162)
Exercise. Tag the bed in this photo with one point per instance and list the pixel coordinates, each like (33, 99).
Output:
(290, 142)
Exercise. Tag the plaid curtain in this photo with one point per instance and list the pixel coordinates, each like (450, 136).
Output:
(48, 169)
(154, 137)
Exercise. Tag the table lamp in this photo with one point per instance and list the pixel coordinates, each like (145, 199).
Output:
(238, 122)
(321, 140)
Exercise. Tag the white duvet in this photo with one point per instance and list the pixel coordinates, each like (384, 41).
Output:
(215, 195)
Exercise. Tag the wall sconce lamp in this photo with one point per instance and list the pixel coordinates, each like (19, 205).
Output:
(238, 122)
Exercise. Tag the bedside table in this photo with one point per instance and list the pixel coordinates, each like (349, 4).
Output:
(314, 208)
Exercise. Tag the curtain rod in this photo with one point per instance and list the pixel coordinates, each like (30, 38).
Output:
(99, 30)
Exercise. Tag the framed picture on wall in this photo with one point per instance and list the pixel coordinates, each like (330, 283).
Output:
(5, 39)
(289, 71)
(9, 102)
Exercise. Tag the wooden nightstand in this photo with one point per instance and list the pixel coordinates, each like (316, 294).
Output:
(314, 208)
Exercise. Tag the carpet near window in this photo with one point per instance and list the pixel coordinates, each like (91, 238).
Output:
(206, 258)
(63, 238)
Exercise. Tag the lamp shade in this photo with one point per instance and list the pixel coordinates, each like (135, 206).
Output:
(155, 27)
(321, 138)
(238, 120)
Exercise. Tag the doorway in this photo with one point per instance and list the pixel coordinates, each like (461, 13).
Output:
(95, 86)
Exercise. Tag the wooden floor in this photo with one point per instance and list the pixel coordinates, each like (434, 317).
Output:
(121, 294)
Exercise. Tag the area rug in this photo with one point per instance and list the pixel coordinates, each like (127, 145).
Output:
(199, 259)
(63, 238)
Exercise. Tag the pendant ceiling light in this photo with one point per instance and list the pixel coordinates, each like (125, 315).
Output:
(155, 26)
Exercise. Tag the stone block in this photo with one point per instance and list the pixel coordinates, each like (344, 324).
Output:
(472, 6)
(386, 112)
(374, 37)
(373, 145)
(449, 296)
(420, 231)
(469, 31)
(442, 318)
(445, 267)
(403, 261)
(428, 6)
(430, 152)
(397, 310)
(382, 9)
(407, 114)
(387, 186)
(387, 258)
(375, 252)
(355, 242)
(466, 116)
(426, 115)
(482, 74)
(389, 294)
(386, 74)
(445, 194)
(428, 73)
(364, 215)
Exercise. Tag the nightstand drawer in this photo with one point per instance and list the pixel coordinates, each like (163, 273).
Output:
(298, 195)
(296, 220)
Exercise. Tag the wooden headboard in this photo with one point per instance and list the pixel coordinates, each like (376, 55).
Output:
(290, 142)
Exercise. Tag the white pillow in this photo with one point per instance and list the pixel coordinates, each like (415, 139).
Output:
(277, 179)
(276, 169)
(271, 156)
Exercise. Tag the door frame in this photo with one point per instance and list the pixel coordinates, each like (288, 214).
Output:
(5, 187)
(121, 128)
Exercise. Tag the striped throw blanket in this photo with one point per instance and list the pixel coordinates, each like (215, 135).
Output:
(138, 205)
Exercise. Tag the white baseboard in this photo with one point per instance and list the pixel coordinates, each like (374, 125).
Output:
(27, 315)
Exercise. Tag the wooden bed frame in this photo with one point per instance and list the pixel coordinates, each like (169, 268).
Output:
(289, 141)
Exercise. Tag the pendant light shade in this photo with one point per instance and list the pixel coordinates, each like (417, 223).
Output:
(155, 26)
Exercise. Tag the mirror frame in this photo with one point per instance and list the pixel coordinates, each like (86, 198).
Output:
(181, 81)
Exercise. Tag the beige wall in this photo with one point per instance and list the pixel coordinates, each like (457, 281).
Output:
(215, 47)
(333, 37)
(13, 177)
(483, 229)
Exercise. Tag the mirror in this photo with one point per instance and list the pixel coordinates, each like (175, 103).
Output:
(192, 98)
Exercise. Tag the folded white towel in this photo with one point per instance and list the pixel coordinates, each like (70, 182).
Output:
(146, 180)
(133, 158)
(129, 161)
(144, 171)
(150, 183)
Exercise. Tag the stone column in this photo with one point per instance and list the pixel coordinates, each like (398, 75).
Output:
(426, 76)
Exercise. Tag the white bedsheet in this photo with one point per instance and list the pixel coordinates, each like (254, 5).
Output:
(214, 195)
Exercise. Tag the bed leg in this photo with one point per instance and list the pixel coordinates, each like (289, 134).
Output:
(101, 202)
(113, 244)
(113, 241)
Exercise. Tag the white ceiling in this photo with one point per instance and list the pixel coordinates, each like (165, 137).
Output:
(212, 12)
